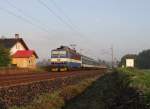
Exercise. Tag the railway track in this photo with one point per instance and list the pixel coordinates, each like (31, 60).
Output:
(18, 79)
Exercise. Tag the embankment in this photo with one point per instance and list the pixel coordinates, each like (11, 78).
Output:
(22, 95)
(122, 89)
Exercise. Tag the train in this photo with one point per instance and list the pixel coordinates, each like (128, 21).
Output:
(65, 58)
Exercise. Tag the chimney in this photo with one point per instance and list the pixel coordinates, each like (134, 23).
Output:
(17, 36)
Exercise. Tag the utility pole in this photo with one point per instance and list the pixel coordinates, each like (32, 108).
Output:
(112, 56)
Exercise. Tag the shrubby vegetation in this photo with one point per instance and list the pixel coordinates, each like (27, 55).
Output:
(140, 80)
(5, 58)
(122, 89)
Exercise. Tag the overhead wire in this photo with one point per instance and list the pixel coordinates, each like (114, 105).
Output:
(68, 19)
(23, 19)
(76, 28)
(62, 20)
(59, 17)
(25, 14)
(63, 13)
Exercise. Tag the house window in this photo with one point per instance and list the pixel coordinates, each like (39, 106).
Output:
(18, 46)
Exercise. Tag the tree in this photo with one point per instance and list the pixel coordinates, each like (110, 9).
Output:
(143, 59)
(128, 56)
(5, 58)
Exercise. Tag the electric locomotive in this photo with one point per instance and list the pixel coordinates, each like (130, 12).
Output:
(65, 58)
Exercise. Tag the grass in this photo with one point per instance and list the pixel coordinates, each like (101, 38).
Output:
(45, 101)
(116, 90)
(56, 100)
(140, 79)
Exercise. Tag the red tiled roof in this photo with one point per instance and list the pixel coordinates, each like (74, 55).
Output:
(24, 54)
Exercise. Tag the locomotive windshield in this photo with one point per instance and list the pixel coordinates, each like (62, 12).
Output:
(58, 54)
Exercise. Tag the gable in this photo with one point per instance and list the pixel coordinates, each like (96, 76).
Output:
(16, 47)
(10, 42)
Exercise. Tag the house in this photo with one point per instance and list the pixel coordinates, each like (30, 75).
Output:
(21, 55)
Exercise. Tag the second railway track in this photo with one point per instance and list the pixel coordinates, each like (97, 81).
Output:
(12, 80)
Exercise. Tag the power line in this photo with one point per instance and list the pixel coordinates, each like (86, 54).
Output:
(51, 11)
(64, 14)
(58, 16)
(63, 21)
(68, 19)
(26, 15)
(24, 19)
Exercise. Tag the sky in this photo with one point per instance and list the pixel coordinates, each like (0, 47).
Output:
(93, 25)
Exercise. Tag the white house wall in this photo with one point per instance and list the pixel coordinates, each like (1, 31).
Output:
(16, 47)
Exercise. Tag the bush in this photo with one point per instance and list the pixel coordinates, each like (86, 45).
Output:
(5, 58)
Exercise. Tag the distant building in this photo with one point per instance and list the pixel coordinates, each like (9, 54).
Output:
(22, 56)
(130, 63)
(129, 60)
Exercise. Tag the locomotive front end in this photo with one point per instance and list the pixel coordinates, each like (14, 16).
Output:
(59, 60)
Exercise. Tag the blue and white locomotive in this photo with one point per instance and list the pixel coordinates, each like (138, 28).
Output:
(65, 58)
